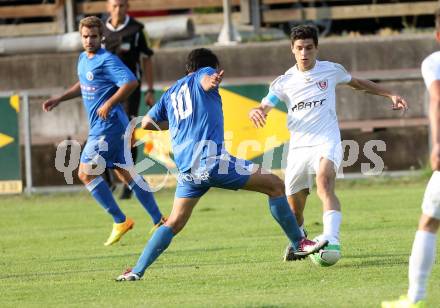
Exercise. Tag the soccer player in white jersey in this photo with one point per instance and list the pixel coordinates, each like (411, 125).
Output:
(308, 90)
(424, 246)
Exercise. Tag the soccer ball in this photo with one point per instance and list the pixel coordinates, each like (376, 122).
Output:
(328, 256)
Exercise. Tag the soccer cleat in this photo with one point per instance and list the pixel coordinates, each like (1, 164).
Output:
(306, 247)
(403, 302)
(119, 230)
(128, 275)
(160, 223)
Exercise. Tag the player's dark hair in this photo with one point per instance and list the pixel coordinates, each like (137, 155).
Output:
(92, 22)
(437, 19)
(201, 57)
(304, 32)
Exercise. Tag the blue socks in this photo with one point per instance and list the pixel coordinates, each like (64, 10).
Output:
(145, 197)
(160, 241)
(101, 192)
(283, 215)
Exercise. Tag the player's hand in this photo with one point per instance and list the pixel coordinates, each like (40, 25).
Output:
(258, 117)
(435, 157)
(103, 111)
(50, 104)
(149, 98)
(399, 103)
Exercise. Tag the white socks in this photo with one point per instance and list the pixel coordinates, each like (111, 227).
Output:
(332, 221)
(420, 264)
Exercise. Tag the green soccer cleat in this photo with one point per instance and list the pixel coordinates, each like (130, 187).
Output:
(403, 302)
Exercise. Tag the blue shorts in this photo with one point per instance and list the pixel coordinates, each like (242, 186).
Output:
(108, 149)
(227, 172)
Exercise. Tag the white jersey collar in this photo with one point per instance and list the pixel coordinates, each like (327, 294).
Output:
(294, 69)
(120, 27)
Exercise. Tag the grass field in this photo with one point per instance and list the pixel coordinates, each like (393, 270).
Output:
(52, 253)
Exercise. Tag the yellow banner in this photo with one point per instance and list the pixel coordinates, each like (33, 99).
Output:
(11, 187)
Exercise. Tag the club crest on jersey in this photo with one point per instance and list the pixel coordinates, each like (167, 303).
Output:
(89, 76)
(322, 85)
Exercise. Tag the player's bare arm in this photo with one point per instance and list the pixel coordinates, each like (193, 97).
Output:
(210, 82)
(119, 96)
(52, 102)
(398, 102)
(148, 73)
(149, 124)
(434, 116)
(258, 115)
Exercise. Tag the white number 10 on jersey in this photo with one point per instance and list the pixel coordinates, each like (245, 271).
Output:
(182, 103)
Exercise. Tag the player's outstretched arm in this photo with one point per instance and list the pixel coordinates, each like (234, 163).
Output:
(210, 82)
(123, 92)
(149, 124)
(434, 117)
(52, 102)
(398, 102)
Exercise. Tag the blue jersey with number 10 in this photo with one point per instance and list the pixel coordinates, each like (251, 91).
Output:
(195, 119)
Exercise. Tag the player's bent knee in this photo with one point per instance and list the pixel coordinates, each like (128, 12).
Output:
(429, 224)
(83, 177)
(276, 187)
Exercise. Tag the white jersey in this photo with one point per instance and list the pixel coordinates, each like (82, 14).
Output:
(431, 200)
(310, 98)
(431, 68)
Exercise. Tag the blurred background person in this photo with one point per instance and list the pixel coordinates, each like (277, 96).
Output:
(124, 36)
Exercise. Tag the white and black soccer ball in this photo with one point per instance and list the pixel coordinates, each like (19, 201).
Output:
(327, 256)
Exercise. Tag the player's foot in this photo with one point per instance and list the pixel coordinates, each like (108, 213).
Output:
(125, 194)
(128, 275)
(403, 302)
(306, 247)
(160, 223)
(119, 230)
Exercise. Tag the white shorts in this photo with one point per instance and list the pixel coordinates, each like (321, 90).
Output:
(303, 163)
(431, 200)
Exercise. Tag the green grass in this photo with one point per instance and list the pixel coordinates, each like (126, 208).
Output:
(52, 253)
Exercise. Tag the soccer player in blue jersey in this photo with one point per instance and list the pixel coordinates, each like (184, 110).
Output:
(104, 81)
(192, 110)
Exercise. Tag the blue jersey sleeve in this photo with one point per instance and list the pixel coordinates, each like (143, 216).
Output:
(159, 112)
(205, 71)
(118, 73)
